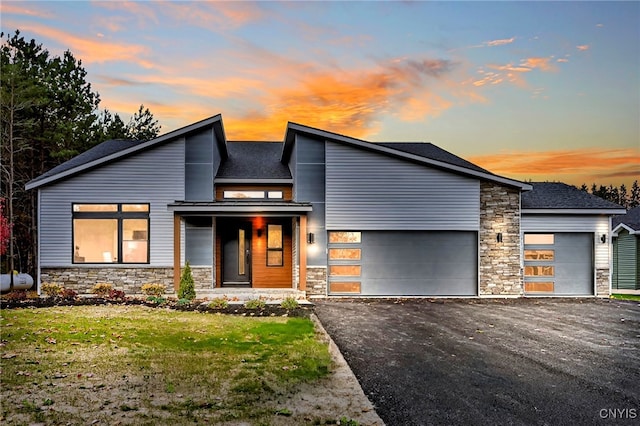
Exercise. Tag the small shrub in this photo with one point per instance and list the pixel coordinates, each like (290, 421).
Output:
(153, 289)
(255, 304)
(187, 289)
(16, 295)
(347, 421)
(289, 303)
(68, 294)
(101, 289)
(51, 289)
(218, 303)
(32, 294)
(183, 302)
(116, 294)
(156, 299)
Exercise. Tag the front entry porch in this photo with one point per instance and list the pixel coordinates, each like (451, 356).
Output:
(242, 247)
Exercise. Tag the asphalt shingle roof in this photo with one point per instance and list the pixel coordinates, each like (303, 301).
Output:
(429, 150)
(97, 152)
(254, 160)
(631, 219)
(557, 195)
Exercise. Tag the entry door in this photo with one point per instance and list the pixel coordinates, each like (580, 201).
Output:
(236, 254)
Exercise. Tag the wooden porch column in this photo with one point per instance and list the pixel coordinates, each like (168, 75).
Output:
(176, 252)
(303, 253)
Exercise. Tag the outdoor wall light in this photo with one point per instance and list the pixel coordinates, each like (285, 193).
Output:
(311, 239)
(499, 237)
(603, 238)
(260, 231)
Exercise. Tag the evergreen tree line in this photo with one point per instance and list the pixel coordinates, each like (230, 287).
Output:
(49, 113)
(619, 195)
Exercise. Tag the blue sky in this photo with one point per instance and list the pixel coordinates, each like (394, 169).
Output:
(529, 90)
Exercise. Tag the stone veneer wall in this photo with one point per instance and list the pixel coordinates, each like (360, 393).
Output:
(316, 281)
(602, 282)
(129, 280)
(202, 277)
(500, 271)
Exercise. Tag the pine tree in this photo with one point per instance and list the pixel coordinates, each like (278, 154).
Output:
(187, 289)
(634, 198)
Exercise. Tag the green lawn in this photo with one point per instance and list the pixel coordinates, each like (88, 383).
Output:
(626, 297)
(141, 365)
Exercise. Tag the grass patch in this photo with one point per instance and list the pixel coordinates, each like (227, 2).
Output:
(619, 296)
(157, 366)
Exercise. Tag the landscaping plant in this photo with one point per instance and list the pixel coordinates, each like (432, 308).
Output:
(187, 289)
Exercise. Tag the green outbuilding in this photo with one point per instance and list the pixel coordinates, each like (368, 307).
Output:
(626, 252)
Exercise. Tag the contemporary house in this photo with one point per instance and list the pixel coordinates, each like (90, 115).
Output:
(626, 252)
(317, 212)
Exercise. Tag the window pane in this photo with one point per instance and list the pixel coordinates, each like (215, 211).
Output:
(274, 194)
(135, 207)
(344, 270)
(274, 258)
(135, 240)
(538, 254)
(95, 240)
(274, 236)
(538, 238)
(345, 237)
(243, 194)
(544, 287)
(344, 254)
(241, 247)
(95, 207)
(538, 271)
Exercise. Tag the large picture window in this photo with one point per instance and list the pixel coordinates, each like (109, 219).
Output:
(110, 233)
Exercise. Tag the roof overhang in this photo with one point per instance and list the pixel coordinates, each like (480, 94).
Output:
(293, 128)
(608, 212)
(215, 122)
(240, 208)
(621, 227)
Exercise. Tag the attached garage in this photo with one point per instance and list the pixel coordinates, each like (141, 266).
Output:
(559, 263)
(403, 263)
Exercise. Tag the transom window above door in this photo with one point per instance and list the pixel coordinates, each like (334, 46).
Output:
(252, 195)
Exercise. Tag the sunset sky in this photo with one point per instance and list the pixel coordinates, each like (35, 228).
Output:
(528, 90)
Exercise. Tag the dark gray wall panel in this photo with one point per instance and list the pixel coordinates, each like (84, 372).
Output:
(371, 191)
(198, 182)
(309, 172)
(397, 263)
(201, 162)
(199, 246)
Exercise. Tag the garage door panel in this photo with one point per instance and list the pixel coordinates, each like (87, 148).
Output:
(420, 263)
(572, 263)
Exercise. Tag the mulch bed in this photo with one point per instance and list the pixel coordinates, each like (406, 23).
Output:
(195, 306)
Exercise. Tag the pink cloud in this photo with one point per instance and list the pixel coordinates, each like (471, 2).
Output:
(499, 42)
(583, 47)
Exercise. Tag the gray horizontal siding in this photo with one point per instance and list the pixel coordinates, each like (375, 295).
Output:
(155, 176)
(598, 225)
(371, 191)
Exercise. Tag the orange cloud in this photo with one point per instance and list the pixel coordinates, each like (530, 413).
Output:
(542, 63)
(93, 51)
(572, 166)
(583, 47)
(22, 9)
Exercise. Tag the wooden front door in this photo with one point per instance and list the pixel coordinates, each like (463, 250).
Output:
(236, 254)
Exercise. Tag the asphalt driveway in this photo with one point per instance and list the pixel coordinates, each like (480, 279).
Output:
(526, 361)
